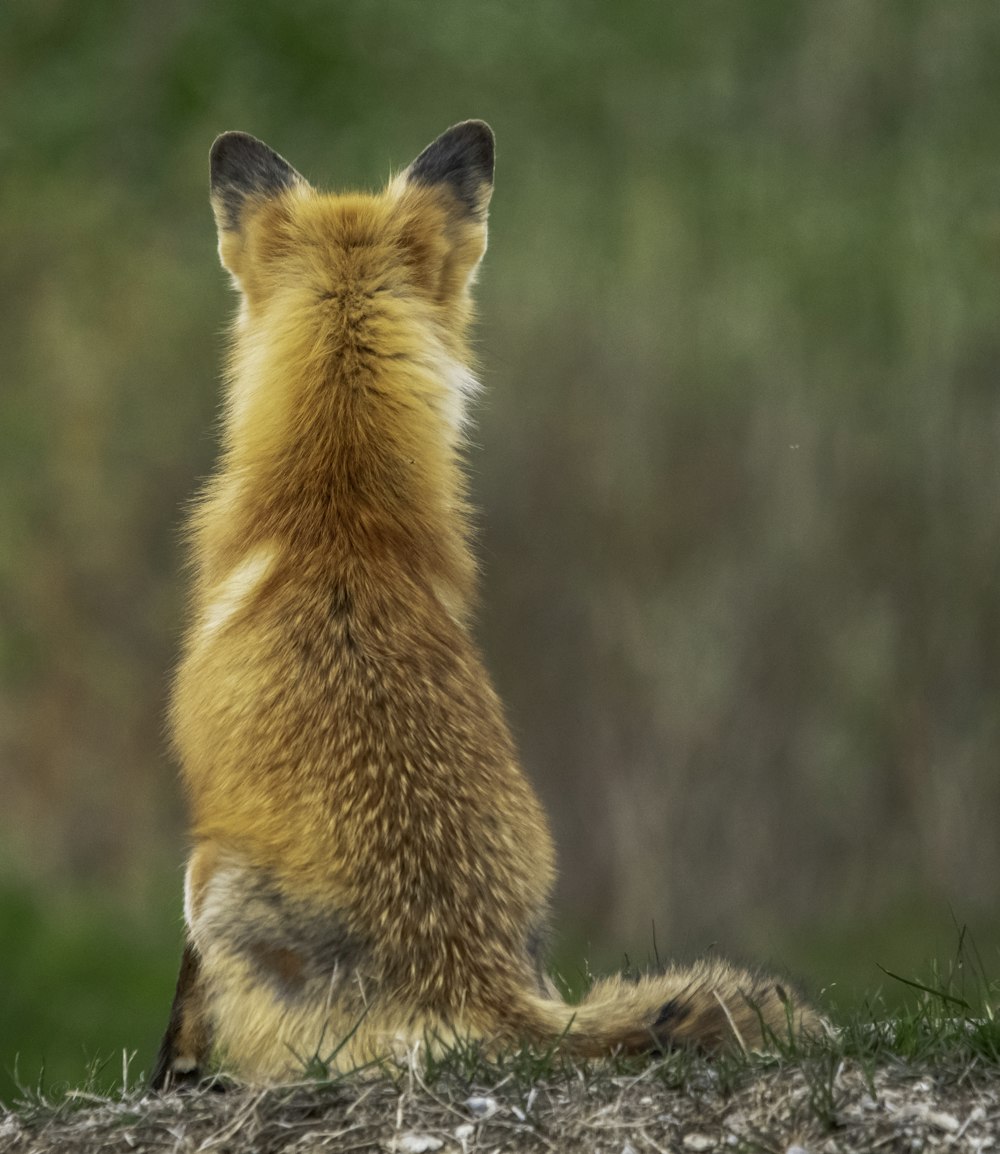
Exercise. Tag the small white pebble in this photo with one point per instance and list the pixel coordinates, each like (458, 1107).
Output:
(698, 1142)
(481, 1107)
(416, 1143)
(796, 1150)
(943, 1121)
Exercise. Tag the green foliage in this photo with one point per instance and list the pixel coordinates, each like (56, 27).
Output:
(87, 985)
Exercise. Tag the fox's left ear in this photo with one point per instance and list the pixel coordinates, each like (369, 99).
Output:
(244, 173)
(462, 160)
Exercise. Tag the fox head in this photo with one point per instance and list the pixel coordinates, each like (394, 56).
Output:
(426, 231)
(354, 307)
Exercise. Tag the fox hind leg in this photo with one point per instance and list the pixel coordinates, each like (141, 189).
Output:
(187, 1041)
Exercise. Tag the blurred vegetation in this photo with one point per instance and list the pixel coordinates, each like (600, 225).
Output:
(738, 467)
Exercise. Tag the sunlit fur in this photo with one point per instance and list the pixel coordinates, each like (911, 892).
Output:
(367, 853)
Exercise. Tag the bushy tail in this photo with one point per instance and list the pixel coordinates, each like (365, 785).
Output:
(711, 1006)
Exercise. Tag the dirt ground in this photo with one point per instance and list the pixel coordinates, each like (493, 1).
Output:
(810, 1108)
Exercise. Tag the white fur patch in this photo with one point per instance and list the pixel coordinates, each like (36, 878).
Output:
(462, 387)
(188, 898)
(219, 892)
(211, 899)
(235, 590)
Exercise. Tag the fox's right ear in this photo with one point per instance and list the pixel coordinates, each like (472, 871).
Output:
(243, 171)
(461, 159)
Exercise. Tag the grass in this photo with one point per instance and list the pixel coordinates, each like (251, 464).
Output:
(887, 1079)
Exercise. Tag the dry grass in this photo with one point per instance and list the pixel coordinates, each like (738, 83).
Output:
(896, 1107)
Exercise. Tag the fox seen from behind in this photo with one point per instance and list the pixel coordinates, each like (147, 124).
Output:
(370, 868)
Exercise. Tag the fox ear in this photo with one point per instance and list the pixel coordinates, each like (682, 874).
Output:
(243, 169)
(461, 159)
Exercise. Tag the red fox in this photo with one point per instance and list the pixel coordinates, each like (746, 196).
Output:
(370, 867)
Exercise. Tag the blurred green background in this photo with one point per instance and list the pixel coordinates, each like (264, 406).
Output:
(738, 461)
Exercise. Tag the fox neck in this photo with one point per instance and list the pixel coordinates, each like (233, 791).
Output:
(349, 474)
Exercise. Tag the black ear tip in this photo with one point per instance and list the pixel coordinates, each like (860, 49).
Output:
(240, 165)
(474, 140)
(478, 137)
(234, 152)
(462, 157)
(227, 141)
